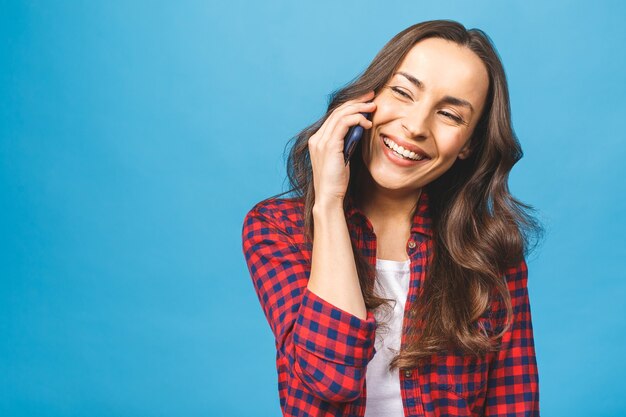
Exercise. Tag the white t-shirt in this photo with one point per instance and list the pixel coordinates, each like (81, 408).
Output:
(383, 387)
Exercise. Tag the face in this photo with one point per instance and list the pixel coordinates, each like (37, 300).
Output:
(429, 107)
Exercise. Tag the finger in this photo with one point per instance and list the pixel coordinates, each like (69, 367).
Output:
(363, 106)
(342, 111)
(361, 99)
(347, 108)
(322, 129)
(333, 119)
(365, 98)
(336, 134)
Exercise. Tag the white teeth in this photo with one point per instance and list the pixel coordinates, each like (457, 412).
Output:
(401, 151)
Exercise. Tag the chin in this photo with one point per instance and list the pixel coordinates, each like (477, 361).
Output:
(391, 181)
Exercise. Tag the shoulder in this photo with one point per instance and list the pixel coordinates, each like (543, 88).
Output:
(517, 278)
(279, 208)
(285, 215)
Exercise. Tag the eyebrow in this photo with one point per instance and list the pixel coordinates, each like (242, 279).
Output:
(455, 101)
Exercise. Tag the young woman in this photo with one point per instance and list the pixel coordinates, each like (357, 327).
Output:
(396, 285)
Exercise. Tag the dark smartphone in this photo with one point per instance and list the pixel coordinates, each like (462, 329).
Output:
(352, 139)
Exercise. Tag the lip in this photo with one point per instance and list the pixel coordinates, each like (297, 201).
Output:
(398, 160)
(407, 145)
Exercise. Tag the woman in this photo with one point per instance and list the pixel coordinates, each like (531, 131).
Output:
(396, 285)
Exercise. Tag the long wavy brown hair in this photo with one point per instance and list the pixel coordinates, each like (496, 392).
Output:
(479, 228)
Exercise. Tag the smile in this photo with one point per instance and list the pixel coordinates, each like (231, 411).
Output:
(400, 151)
(400, 156)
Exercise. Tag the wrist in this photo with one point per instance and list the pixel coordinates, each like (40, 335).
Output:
(327, 205)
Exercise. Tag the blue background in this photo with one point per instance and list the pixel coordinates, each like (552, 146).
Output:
(134, 137)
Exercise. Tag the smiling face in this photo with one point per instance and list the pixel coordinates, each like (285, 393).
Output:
(429, 107)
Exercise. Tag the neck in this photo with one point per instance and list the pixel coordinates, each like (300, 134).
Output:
(384, 205)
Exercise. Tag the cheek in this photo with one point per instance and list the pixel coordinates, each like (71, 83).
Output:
(450, 142)
(386, 109)
(366, 146)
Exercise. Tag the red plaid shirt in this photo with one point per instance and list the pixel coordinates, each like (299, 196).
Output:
(322, 351)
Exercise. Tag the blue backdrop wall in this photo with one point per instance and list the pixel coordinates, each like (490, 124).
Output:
(134, 137)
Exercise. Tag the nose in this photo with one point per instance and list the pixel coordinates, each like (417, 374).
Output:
(415, 124)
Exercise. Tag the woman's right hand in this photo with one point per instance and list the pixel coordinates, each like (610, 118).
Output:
(330, 174)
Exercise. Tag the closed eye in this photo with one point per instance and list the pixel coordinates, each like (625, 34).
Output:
(399, 91)
(452, 116)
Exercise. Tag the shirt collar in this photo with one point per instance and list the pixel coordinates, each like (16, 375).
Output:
(422, 222)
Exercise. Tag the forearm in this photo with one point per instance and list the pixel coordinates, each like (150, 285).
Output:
(322, 349)
(333, 270)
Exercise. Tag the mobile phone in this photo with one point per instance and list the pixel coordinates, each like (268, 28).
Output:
(352, 138)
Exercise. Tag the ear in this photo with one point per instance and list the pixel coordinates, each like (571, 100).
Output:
(465, 150)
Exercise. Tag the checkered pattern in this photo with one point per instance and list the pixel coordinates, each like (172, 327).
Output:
(323, 351)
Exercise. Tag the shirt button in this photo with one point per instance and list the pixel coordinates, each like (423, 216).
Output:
(408, 373)
(412, 244)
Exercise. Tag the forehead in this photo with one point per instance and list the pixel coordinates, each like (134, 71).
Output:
(447, 68)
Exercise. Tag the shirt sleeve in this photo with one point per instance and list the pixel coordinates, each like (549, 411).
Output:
(327, 349)
(513, 382)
